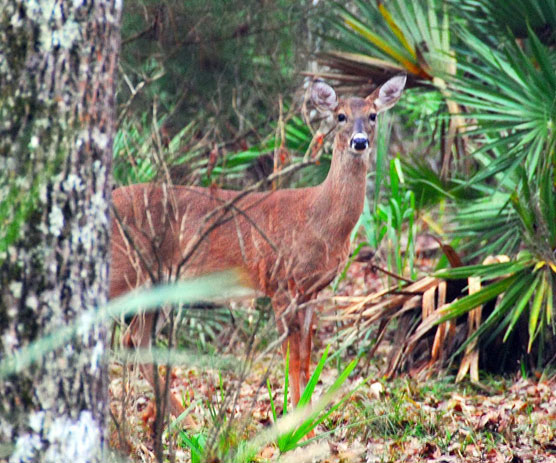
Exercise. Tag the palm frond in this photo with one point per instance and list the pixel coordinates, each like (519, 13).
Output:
(510, 93)
(382, 38)
(497, 16)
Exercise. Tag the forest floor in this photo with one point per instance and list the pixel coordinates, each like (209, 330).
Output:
(502, 419)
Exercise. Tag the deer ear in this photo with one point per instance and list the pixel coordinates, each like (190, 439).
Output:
(388, 94)
(323, 97)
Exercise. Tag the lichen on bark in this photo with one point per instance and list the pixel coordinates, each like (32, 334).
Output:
(57, 94)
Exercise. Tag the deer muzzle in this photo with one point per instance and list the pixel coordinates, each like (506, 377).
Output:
(359, 142)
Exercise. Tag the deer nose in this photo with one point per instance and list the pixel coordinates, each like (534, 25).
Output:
(359, 142)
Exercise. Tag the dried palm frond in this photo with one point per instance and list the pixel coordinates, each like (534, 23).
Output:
(430, 314)
(416, 301)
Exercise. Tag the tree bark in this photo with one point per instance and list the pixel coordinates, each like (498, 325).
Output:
(58, 62)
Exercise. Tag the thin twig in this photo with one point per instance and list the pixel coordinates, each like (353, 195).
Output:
(375, 267)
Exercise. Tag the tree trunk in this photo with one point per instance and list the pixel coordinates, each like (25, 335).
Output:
(58, 62)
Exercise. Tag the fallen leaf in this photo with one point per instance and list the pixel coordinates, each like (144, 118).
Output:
(376, 390)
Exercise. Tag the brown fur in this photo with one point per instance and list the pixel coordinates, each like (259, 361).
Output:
(301, 242)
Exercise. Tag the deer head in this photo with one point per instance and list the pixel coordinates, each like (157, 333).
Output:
(356, 118)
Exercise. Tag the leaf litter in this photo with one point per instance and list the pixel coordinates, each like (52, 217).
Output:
(511, 420)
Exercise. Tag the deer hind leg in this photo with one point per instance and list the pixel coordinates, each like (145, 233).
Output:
(286, 323)
(138, 336)
(299, 342)
(305, 321)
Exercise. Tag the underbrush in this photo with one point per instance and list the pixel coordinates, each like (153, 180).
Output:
(510, 418)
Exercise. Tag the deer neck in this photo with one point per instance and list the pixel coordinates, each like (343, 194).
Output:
(340, 198)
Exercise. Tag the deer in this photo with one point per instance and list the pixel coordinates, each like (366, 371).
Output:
(288, 243)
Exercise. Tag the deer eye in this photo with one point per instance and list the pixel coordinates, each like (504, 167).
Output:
(372, 117)
(342, 117)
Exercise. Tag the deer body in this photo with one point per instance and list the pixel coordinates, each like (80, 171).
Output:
(290, 243)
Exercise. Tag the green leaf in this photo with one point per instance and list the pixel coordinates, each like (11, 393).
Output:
(487, 272)
(535, 310)
(520, 306)
(394, 180)
(396, 30)
(550, 304)
(522, 281)
(471, 301)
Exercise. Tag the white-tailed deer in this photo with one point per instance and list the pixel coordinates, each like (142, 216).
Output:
(289, 243)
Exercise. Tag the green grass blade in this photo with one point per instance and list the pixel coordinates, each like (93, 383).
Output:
(315, 418)
(272, 407)
(309, 389)
(286, 380)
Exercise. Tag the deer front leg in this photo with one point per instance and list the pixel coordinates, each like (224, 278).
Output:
(299, 342)
(292, 343)
(298, 327)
